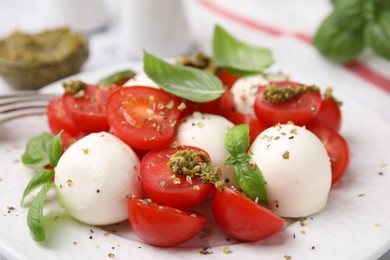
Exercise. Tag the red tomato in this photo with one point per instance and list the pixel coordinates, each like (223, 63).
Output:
(143, 117)
(158, 181)
(227, 78)
(89, 110)
(59, 120)
(222, 106)
(300, 110)
(336, 147)
(161, 225)
(242, 218)
(255, 127)
(329, 115)
(68, 139)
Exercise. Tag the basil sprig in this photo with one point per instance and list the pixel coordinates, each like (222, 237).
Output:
(238, 57)
(42, 150)
(188, 83)
(352, 26)
(246, 173)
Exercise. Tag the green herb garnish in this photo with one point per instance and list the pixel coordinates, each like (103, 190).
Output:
(39, 179)
(42, 150)
(353, 25)
(35, 218)
(238, 57)
(118, 78)
(37, 151)
(186, 82)
(246, 172)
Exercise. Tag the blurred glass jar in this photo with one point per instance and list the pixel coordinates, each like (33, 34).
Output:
(158, 27)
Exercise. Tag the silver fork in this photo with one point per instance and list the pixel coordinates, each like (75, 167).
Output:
(23, 103)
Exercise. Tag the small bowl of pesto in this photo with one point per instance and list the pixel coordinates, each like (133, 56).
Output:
(31, 61)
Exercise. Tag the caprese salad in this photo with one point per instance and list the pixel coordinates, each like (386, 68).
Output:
(149, 147)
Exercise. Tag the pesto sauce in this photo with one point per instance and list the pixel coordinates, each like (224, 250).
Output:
(50, 46)
(277, 94)
(196, 164)
(200, 61)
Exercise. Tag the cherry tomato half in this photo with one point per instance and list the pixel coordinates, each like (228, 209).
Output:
(329, 115)
(161, 225)
(89, 110)
(143, 117)
(222, 106)
(227, 78)
(255, 127)
(300, 110)
(336, 147)
(242, 218)
(175, 191)
(59, 120)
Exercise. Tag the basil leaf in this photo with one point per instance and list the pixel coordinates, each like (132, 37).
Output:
(36, 154)
(250, 180)
(237, 56)
(237, 140)
(377, 34)
(55, 150)
(39, 179)
(35, 218)
(189, 83)
(119, 78)
(340, 39)
(246, 173)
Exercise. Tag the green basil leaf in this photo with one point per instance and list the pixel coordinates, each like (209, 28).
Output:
(55, 150)
(251, 181)
(247, 175)
(237, 56)
(237, 140)
(36, 154)
(189, 83)
(39, 179)
(35, 218)
(117, 78)
(339, 39)
(377, 34)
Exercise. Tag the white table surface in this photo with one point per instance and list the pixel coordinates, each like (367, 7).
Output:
(246, 19)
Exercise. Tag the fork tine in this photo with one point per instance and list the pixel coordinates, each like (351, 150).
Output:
(23, 103)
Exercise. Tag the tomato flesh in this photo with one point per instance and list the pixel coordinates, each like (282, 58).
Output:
(222, 106)
(164, 188)
(89, 110)
(243, 219)
(227, 78)
(143, 117)
(300, 110)
(59, 120)
(161, 225)
(329, 115)
(336, 147)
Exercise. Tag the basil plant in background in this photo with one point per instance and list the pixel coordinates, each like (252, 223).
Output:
(352, 26)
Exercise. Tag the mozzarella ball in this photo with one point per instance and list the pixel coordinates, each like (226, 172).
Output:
(140, 80)
(207, 131)
(296, 169)
(244, 93)
(95, 177)
(245, 88)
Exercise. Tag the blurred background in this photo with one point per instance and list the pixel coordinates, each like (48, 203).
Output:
(118, 30)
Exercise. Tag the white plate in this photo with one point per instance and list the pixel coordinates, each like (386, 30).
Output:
(354, 225)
